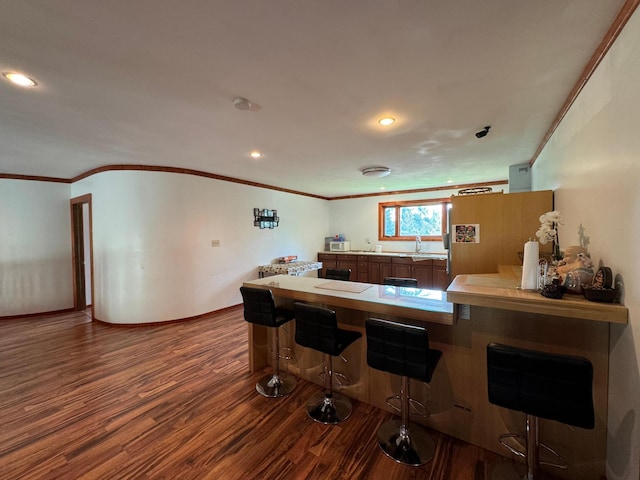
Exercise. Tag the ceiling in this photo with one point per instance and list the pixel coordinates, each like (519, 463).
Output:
(152, 82)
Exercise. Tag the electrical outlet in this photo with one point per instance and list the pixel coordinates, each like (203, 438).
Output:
(464, 312)
(215, 243)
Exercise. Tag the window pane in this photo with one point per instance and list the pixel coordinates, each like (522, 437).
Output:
(425, 220)
(389, 221)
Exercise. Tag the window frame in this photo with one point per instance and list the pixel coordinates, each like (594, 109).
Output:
(443, 202)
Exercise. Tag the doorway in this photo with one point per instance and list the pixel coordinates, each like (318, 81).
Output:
(82, 252)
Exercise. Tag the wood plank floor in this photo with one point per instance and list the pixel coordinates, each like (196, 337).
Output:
(83, 400)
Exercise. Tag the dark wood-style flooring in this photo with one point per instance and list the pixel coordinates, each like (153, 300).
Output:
(84, 400)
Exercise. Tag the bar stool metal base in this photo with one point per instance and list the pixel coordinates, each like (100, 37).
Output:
(535, 453)
(339, 380)
(274, 386)
(329, 408)
(516, 471)
(409, 446)
(416, 408)
(545, 454)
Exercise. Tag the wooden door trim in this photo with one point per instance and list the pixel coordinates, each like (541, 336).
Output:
(83, 199)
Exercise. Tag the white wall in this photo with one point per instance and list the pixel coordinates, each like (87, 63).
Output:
(152, 233)
(35, 247)
(593, 164)
(357, 218)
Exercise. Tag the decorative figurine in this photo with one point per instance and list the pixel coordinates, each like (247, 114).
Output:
(553, 290)
(575, 269)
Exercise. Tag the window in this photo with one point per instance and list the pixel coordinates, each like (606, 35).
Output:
(406, 220)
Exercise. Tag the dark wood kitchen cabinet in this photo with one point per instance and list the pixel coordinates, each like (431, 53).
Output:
(328, 261)
(363, 269)
(421, 270)
(344, 262)
(440, 275)
(430, 273)
(378, 267)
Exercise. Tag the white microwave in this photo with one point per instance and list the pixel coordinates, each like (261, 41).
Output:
(340, 246)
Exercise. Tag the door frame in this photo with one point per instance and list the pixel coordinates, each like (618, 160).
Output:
(78, 254)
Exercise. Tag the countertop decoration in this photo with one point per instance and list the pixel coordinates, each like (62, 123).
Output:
(548, 231)
(575, 270)
(600, 290)
(288, 259)
(553, 289)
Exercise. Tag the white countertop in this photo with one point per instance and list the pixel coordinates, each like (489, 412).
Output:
(422, 255)
(415, 303)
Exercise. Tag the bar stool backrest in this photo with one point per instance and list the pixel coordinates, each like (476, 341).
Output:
(338, 274)
(400, 349)
(259, 306)
(400, 282)
(317, 328)
(551, 386)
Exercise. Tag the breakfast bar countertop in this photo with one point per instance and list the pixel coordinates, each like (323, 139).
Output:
(500, 291)
(414, 303)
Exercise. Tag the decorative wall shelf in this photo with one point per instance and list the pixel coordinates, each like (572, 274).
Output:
(265, 218)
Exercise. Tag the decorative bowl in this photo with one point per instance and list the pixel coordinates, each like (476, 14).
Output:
(604, 295)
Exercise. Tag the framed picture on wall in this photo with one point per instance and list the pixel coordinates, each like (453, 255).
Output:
(467, 233)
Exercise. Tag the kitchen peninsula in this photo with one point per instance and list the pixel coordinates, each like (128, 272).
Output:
(501, 312)
(457, 396)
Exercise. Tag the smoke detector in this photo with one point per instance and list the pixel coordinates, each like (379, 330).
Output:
(376, 172)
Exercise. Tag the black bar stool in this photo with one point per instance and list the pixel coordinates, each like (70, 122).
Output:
(402, 350)
(317, 328)
(260, 309)
(339, 379)
(338, 274)
(400, 282)
(541, 385)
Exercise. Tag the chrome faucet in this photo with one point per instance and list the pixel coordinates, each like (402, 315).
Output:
(418, 244)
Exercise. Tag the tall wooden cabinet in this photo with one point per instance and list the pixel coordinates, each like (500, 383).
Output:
(506, 221)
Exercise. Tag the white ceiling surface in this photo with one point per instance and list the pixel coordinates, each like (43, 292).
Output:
(152, 82)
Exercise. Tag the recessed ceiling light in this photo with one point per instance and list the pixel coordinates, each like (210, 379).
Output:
(20, 79)
(255, 154)
(386, 121)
